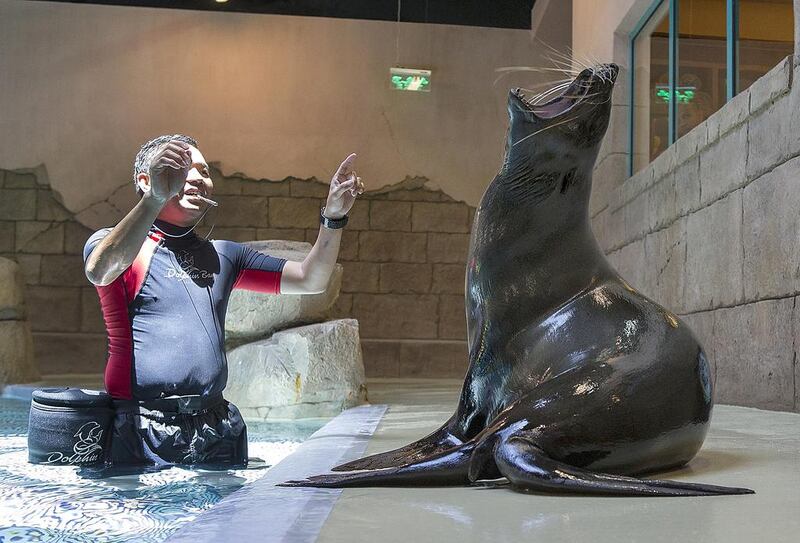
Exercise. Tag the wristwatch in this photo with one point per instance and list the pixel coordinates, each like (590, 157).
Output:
(333, 224)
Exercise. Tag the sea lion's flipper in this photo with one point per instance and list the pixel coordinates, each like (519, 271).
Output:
(528, 468)
(430, 445)
(447, 468)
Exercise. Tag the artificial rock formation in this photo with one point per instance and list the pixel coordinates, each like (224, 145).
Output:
(314, 370)
(309, 371)
(16, 343)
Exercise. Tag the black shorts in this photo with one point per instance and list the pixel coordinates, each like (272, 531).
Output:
(216, 436)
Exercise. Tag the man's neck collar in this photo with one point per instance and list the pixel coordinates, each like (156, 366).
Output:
(172, 229)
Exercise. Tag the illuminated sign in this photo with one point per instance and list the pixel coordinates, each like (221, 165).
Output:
(683, 94)
(405, 79)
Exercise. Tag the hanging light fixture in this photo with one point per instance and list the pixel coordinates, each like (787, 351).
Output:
(407, 79)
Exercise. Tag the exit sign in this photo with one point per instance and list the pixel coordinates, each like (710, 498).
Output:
(406, 79)
(684, 95)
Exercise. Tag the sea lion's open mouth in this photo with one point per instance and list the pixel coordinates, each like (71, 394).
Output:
(559, 105)
(568, 98)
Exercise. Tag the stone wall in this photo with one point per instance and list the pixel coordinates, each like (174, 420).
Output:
(711, 229)
(403, 251)
(17, 364)
(287, 95)
(42, 236)
(404, 254)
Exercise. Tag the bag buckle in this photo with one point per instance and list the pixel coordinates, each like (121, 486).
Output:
(189, 404)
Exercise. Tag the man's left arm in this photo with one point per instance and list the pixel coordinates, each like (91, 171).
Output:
(311, 276)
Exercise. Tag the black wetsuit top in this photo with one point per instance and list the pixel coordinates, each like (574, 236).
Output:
(165, 316)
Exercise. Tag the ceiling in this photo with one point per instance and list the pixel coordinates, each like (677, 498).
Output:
(498, 14)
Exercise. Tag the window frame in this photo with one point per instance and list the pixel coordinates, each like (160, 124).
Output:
(731, 46)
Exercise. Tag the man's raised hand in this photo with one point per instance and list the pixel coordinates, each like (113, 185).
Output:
(345, 186)
(168, 170)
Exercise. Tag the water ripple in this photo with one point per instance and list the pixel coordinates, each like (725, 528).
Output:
(57, 504)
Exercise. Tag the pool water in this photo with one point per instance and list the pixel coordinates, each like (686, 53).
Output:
(55, 503)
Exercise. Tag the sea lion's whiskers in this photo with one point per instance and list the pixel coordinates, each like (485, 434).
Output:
(534, 94)
(590, 102)
(566, 83)
(539, 98)
(545, 84)
(505, 72)
(586, 62)
(606, 100)
(558, 54)
(563, 64)
(571, 60)
(595, 64)
(603, 77)
(593, 59)
(544, 129)
(559, 84)
(567, 66)
(582, 64)
(535, 69)
(513, 69)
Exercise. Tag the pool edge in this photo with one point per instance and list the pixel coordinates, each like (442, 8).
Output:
(261, 511)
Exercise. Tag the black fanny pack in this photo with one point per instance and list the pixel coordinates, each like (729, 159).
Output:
(72, 426)
(69, 427)
(171, 405)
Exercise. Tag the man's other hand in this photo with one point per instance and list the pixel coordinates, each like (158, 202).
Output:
(168, 170)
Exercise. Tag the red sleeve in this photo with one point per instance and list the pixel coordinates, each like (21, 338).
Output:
(258, 272)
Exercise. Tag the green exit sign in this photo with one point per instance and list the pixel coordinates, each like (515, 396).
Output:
(683, 94)
(406, 79)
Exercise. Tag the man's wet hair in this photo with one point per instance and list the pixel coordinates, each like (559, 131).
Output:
(145, 155)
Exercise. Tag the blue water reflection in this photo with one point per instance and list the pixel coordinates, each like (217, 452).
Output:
(47, 503)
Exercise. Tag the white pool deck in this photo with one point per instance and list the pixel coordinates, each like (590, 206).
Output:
(745, 447)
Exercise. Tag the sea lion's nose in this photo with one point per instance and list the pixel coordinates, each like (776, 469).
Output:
(612, 69)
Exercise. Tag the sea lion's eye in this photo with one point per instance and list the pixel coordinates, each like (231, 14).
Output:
(568, 180)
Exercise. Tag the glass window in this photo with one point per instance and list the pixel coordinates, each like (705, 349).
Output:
(766, 36)
(718, 54)
(700, 88)
(651, 89)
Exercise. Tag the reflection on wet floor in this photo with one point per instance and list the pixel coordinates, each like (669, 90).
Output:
(745, 447)
(58, 503)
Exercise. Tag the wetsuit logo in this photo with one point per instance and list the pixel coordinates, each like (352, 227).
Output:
(187, 270)
(86, 450)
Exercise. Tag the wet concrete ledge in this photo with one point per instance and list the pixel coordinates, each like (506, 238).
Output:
(264, 512)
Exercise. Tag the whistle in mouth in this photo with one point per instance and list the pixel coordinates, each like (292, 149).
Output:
(206, 200)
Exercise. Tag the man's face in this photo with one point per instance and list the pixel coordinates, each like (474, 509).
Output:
(185, 208)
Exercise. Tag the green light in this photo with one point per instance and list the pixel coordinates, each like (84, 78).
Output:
(410, 82)
(406, 79)
(684, 95)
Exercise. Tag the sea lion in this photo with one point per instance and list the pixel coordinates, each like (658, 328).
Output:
(576, 382)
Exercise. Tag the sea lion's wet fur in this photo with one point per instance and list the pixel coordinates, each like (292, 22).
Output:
(576, 381)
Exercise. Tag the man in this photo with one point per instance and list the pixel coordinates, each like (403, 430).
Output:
(164, 292)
